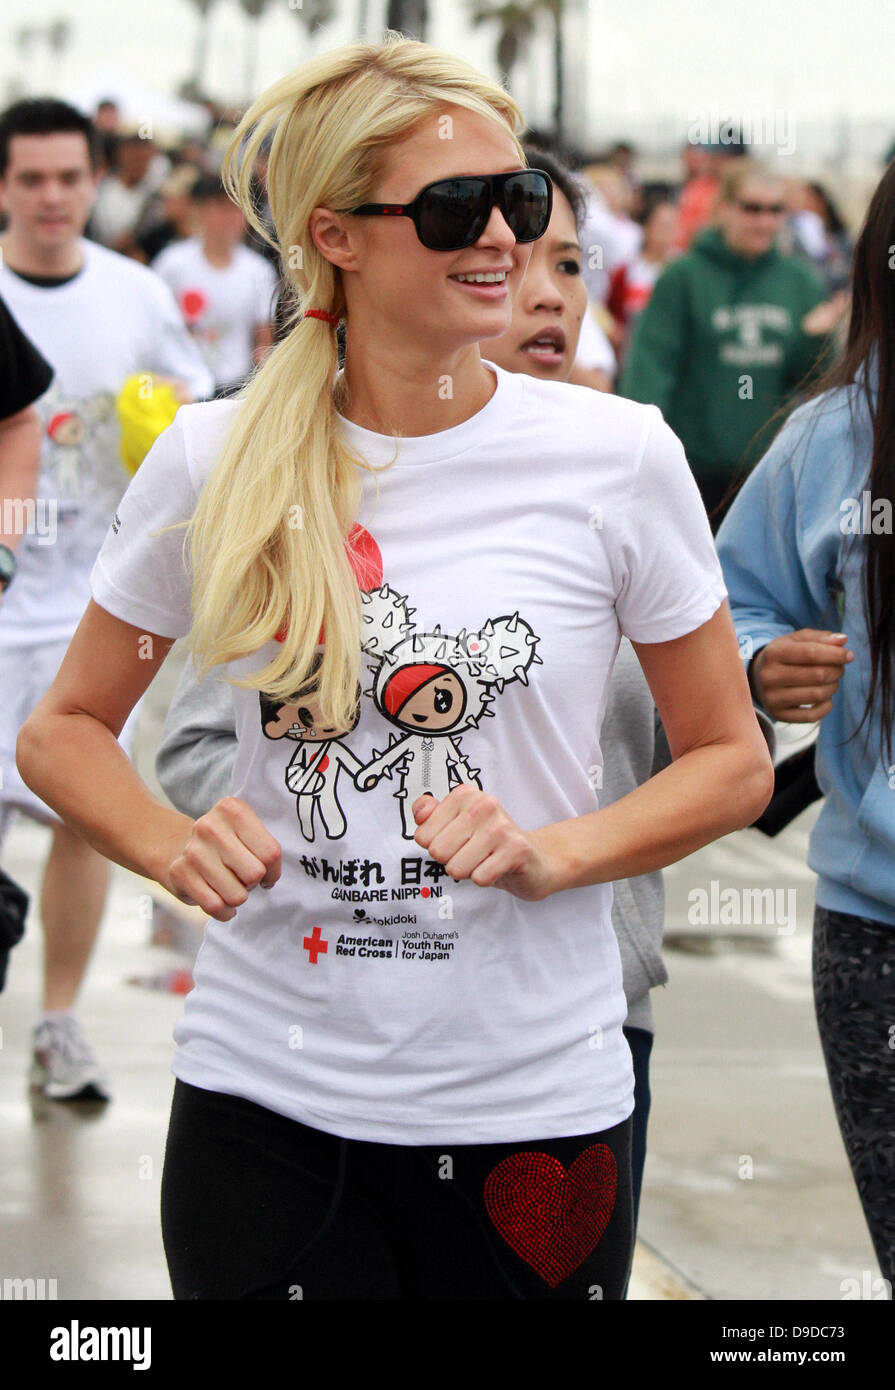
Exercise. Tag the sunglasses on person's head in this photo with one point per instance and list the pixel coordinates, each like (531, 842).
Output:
(776, 209)
(452, 213)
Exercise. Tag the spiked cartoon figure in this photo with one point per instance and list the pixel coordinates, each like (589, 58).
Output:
(432, 686)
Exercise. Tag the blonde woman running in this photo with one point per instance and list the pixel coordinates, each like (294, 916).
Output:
(401, 1073)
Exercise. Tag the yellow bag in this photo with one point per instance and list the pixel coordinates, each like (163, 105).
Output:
(146, 405)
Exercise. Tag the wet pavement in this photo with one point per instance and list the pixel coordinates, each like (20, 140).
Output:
(747, 1190)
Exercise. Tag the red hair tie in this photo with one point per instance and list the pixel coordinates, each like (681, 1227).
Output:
(322, 314)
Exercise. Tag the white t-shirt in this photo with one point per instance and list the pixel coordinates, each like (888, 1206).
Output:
(114, 318)
(607, 241)
(118, 208)
(594, 348)
(221, 305)
(366, 993)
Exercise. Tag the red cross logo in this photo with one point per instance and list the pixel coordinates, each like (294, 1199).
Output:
(314, 944)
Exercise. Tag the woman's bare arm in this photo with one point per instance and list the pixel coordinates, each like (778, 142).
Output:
(20, 437)
(68, 753)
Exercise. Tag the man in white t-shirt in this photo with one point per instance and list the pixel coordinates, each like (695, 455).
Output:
(227, 293)
(98, 318)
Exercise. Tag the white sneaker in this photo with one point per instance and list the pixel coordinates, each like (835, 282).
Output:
(64, 1064)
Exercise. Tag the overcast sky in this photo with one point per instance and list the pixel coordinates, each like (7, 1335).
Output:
(812, 59)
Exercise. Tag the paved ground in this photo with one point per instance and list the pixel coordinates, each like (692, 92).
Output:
(747, 1192)
(747, 1189)
(80, 1191)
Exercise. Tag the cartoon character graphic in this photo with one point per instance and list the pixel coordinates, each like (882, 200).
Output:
(432, 686)
(76, 430)
(65, 431)
(313, 773)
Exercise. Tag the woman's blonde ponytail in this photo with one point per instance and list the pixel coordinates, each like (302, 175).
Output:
(267, 541)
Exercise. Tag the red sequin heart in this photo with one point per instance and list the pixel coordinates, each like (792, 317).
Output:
(552, 1218)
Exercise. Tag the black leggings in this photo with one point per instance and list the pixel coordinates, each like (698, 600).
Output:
(257, 1206)
(854, 994)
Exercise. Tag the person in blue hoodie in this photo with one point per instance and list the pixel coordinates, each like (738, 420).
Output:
(808, 554)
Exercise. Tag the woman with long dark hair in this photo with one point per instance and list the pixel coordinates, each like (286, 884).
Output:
(809, 559)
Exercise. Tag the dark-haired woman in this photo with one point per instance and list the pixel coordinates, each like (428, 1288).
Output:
(809, 560)
(820, 237)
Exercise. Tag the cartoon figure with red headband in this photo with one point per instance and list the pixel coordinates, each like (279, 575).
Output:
(70, 425)
(313, 773)
(431, 686)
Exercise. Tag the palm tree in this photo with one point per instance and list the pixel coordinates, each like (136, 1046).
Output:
(56, 35)
(192, 87)
(410, 17)
(253, 10)
(314, 14)
(59, 36)
(517, 26)
(517, 23)
(15, 87)
(555, 10)
(25, 36)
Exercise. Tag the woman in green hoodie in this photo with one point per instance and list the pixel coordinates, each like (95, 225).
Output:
(731, 329)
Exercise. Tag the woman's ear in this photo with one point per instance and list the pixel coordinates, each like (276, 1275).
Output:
(332, 238)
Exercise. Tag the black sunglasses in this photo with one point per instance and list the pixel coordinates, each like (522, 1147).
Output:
(754, 209)
(452, 213)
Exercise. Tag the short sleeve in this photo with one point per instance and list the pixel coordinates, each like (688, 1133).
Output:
(669, 579)
(24, 372)
(140, 574)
